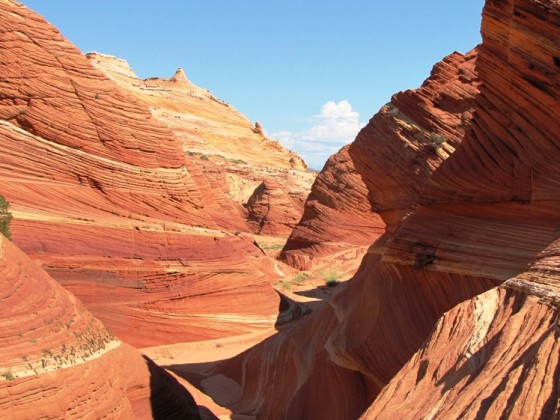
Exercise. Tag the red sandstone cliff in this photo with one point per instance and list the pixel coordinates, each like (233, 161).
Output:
(488, 214)
(57, 360)
(376, 180)
(105, 199)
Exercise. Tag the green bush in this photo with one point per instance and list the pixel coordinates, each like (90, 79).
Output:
(331, 279)
(5, 217)
(285, 284)
(300, 278)
(9, 376)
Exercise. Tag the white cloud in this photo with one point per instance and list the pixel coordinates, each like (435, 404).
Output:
(335, 126)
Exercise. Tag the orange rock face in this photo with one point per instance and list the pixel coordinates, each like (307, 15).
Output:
(105, 199)
(57, 360)
(487, 215)
(374, 181)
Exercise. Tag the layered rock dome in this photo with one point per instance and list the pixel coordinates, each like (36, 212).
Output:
(225, 153)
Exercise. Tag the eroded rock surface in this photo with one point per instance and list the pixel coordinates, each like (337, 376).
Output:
(228, 157)
(272, 210)
(494, 355)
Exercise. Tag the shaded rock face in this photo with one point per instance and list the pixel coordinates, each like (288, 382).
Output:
(226, 155)
(57, 360)
(105, 199)
(369, 185)
(487, 215)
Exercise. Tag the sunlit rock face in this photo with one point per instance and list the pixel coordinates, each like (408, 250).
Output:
(57, 360)
(108, 201)
(454, 310)
(369, 185)
(227, 156)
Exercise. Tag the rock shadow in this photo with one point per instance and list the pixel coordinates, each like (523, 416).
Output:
(323, 293)
(290, 311)
(221, 389)
(169, 399)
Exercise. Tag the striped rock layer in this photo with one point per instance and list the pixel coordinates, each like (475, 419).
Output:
(370, 184)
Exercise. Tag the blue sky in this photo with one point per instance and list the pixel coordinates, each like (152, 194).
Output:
(312, 72)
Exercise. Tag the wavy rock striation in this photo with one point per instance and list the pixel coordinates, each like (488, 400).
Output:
(488, 214)
(105, 200)
(497, 354)
(369, 185)
(57, 360)
(226, 154)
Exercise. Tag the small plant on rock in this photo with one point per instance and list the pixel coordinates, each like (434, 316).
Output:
(300, 278)
(9, 376)
(436, 140)
(331, 279)
(5, 217)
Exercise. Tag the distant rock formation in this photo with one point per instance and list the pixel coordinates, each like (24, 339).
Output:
(179, 75)
(454, 311)
(272, 210)
(224, 151)
(58, 361)
(258, 129)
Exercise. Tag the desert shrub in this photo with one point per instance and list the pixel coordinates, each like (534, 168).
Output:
(5, 217)
(436, 140)
(284, 284)
(331, 279)
(9, 376)
(300, 278)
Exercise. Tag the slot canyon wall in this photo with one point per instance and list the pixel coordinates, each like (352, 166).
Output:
(370, 184)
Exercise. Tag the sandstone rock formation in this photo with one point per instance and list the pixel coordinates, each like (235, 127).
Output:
(58, 361)
(105, 199)
(225, 152)
(487, 215)
(369, 185)
(258, 128)
(273, 211)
